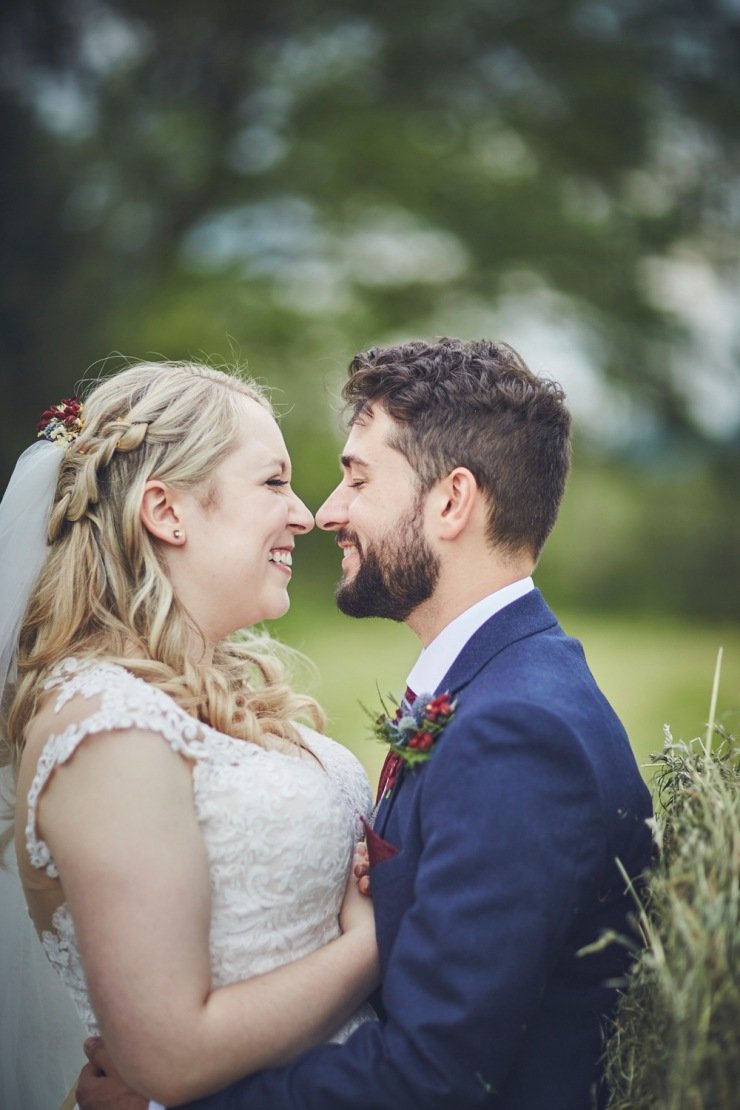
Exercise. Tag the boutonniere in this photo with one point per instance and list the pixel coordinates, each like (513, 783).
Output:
(415, 727)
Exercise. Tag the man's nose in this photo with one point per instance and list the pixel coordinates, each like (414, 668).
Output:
(332, 515)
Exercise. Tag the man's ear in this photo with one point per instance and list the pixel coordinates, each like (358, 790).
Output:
(161, 513)
(455, 500)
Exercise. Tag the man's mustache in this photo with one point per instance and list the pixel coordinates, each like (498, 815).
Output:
(344, 535)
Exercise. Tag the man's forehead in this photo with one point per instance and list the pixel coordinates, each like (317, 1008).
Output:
(371, 445)
(365, 439)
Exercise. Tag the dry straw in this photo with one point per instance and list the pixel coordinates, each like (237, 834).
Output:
(676, 1038)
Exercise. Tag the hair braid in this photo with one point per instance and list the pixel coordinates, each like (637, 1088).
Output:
(103, 592)
(78, 488)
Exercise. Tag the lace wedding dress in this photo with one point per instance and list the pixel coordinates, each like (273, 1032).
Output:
(278, 830)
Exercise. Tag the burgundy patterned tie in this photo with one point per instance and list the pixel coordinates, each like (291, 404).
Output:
(393, 762)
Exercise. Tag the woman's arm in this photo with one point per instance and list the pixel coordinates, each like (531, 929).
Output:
(120, 822)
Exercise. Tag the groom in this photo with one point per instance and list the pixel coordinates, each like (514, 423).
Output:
(498, 847)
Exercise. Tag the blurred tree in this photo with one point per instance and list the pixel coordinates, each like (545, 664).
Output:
(302, 178)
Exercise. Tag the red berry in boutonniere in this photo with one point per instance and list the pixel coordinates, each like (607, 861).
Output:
(414, 729)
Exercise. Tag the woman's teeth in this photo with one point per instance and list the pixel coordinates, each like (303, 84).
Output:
(283, 557)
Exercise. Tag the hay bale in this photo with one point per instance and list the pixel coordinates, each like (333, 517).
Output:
(676, 1038)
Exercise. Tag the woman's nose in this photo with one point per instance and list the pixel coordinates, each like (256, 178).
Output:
(301, 520)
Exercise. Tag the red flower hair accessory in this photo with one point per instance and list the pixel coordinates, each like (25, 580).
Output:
(61, 423)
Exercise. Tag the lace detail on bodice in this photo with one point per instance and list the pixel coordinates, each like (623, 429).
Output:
(278, 829)
(60, 946)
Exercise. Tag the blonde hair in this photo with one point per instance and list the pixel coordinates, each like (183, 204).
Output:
(103, 591)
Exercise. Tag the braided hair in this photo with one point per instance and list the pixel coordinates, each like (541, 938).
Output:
(104, 593)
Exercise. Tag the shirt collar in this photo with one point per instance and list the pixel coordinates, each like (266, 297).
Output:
(438, 656)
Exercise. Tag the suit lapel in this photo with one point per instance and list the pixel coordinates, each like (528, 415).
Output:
(385, 805)
(525, 617)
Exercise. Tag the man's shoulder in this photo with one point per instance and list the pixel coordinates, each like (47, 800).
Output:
(537, 685)
(519, 642)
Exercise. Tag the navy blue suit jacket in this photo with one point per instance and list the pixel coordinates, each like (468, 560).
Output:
(508, 837)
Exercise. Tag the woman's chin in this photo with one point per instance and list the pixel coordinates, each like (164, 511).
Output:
(275, 611)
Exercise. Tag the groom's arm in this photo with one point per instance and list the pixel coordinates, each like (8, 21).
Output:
(510, 825)
(100, 1087)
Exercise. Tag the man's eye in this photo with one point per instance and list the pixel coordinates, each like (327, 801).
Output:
(357, 484)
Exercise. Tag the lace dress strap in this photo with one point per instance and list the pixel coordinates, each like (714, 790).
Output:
(123, 702)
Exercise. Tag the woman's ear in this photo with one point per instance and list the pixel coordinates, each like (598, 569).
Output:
(456, 497)
(161, 513)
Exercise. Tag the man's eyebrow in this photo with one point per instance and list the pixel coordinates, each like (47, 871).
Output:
(348, 461)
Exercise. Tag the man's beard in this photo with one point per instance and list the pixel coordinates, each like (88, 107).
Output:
(395, 576)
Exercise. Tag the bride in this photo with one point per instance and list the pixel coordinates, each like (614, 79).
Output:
(183, 843)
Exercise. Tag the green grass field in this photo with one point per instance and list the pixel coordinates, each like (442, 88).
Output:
(655, 671)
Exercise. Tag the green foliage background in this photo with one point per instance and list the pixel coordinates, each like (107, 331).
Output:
(287, 182)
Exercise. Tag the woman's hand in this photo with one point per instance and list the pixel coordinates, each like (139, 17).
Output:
(357, 908)
(361, 868)
(357, 922)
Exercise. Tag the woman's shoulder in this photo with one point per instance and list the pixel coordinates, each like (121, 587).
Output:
(86, 677)
(105, 685)
(85, 697)
(93, 702)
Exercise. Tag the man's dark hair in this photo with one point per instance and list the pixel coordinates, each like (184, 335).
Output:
(475, 405)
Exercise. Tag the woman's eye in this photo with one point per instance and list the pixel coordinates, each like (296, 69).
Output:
(277, 482)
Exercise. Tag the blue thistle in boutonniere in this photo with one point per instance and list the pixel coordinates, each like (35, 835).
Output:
(415, 728)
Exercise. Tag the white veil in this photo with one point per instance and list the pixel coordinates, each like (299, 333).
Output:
(40, 1033)
(24, 518)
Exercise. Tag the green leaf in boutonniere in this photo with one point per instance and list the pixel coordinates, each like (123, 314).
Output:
(415, 727)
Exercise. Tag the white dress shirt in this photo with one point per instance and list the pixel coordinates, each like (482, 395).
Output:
(438, 656)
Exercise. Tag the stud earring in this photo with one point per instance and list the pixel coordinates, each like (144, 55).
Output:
(177, 534)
